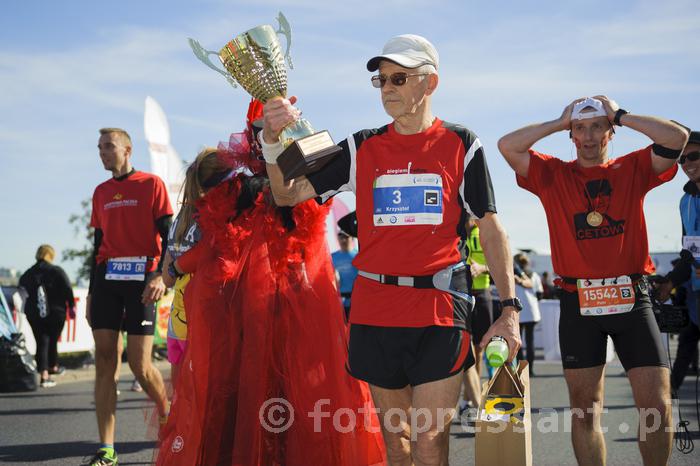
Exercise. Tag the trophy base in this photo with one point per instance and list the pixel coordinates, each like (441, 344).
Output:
(307, 155)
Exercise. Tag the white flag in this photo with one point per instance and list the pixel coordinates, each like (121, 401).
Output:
(164, 160)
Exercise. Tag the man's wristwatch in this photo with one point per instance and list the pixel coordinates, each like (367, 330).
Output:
(620, 112)
(512, 302)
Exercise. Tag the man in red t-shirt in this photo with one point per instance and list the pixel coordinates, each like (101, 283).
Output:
(417, 180)
(131, 214)
(594, 208)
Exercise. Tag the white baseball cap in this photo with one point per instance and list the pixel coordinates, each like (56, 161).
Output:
(407, 50)
(598, 109)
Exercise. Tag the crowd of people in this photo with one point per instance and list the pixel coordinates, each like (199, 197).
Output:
(263, 311)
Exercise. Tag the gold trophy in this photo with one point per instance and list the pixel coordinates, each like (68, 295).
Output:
(254, 60)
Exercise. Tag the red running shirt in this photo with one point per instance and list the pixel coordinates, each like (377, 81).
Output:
(616, 190)
(126, 211)
(381, 167)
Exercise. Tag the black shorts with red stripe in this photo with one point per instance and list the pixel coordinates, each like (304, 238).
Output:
(394, 357)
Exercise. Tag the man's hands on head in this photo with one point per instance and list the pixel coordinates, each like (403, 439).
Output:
(278, 113)
(155, 288)
(611, 107)
(515, 145)
(564, 121)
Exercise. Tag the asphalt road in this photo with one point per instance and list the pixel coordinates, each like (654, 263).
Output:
(56, 426)
(551, 441)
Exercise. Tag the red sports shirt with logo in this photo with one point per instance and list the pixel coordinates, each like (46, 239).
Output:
(126, 211)
(616, 190)
(444, 172)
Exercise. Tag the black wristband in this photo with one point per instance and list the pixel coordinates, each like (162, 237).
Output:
(512, 302)
(618, 115)
(173, 272)
(665, 152)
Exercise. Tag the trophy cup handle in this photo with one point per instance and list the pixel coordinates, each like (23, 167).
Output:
(286, 30)
(203, 55)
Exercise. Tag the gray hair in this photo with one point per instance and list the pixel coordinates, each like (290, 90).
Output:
(427, 68)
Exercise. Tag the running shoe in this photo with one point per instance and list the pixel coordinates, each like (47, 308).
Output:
(136, 386)
(48, 383)
(104, 457)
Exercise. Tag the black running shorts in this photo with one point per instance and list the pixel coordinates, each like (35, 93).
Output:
(583, 339)
(116, 305)
(394, 357)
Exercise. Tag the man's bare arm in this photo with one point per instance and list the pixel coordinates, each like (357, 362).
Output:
(515, 146)
(494, 242)
(663, 132)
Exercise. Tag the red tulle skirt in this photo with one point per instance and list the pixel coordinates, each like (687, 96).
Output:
(266, 336)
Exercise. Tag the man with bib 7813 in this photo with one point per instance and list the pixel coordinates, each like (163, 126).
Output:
(131, 214)
(417, 180)
(594, 208)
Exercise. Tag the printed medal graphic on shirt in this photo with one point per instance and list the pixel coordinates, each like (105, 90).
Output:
(407, 199)
(595, 223)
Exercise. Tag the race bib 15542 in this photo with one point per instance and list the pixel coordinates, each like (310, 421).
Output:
(606, 296)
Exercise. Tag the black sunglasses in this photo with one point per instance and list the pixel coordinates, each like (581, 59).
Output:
(692, 156)
(397, 79)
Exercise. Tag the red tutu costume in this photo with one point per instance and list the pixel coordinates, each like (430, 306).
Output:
(265, 322)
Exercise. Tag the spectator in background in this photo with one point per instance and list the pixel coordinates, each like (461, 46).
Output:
(548, 289)
(528, 288)
(482, 316)
(688, 339)
(345, 272)
(685, 276)
(48, 296)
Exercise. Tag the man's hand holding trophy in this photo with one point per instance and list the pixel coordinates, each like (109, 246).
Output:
(254, 60)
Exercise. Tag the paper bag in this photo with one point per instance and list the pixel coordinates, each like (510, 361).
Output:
(504, 424)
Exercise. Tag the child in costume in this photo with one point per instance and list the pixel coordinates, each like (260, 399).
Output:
(266, 335)
(204, 173)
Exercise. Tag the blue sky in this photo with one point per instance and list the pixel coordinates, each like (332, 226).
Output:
(68, 68)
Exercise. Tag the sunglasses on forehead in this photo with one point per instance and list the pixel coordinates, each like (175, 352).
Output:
(397, 79)
(692, 156)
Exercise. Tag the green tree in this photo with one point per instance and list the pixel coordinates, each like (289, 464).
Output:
(82, 229)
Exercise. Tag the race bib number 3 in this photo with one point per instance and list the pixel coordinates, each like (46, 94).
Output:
(606, 296)
(408, 200)
(126, 268)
